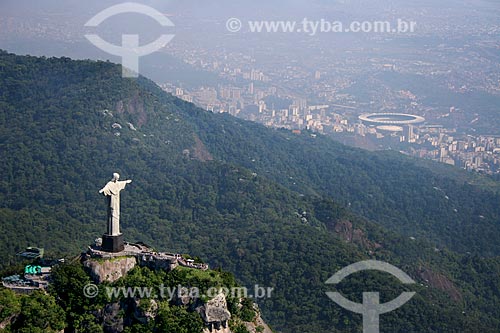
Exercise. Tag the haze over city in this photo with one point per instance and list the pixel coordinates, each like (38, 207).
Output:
(445, 70)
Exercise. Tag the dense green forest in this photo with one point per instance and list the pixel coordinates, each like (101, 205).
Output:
(277, 209)
(413, 198)
(65, 306)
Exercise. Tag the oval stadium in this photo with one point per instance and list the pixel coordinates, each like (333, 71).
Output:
(390, 119)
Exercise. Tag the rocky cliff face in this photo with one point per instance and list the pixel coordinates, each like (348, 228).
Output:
(215, 314)
(258, 325)
(115, 316)
(118, 315)
(350, 234)
(109, 270)
(215, 310)
(441, 282)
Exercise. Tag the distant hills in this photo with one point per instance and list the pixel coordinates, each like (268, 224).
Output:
(278, 209)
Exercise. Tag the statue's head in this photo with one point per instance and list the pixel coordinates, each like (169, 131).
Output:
(116, 176)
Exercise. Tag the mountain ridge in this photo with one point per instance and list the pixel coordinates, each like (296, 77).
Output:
(67, 124)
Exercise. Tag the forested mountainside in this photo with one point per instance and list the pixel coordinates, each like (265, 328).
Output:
(281, 210)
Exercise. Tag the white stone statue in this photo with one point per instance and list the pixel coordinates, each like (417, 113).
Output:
(112, 191)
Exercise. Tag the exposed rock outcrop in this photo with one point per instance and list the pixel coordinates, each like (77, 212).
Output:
(8, 321)
(350, 234)
(200, 151)
(145, 310)
(109, 270)
(441, 282)
(221, 329)
(116, 316)
(258, 326)
(183, 297)
(215, 314)
(215, 310)
(113, 321)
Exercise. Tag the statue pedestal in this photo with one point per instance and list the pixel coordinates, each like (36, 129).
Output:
(112, 243)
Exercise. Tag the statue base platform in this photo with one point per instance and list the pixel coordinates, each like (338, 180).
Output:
(112, 243)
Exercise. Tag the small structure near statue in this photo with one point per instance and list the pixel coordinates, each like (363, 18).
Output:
(35, 277)
(31, 253)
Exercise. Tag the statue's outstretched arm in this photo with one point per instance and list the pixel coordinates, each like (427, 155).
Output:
(105, 190)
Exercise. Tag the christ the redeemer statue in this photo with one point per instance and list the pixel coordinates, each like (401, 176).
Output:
(113, 239)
